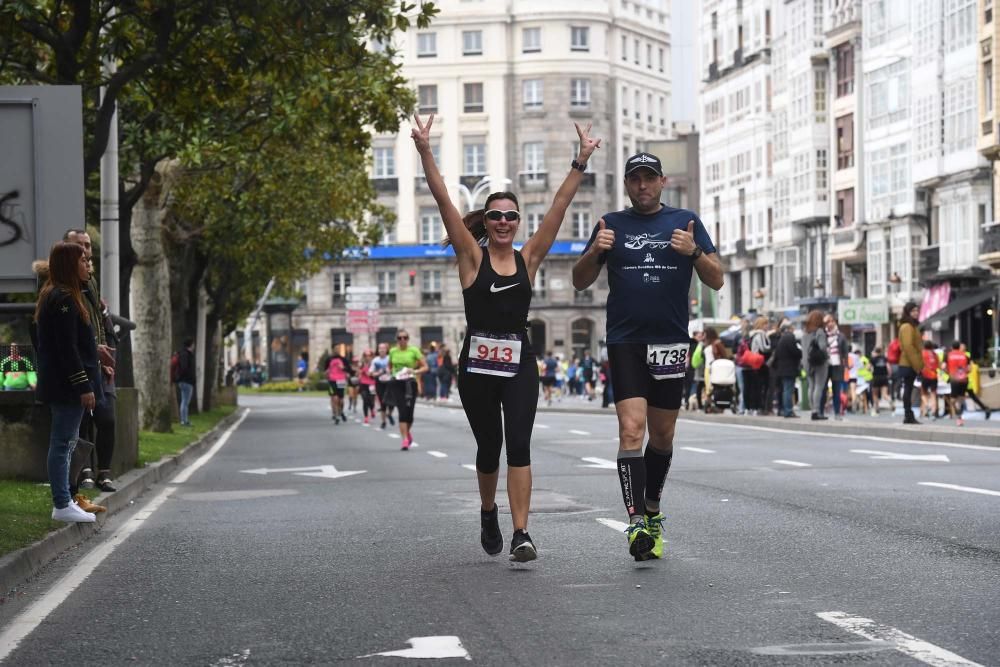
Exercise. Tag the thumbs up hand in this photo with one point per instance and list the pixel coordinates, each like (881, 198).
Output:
(605, 239)
(682, 241)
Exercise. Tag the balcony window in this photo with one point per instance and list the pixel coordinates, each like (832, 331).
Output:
(534, 159)
(386, 288)
(430, 288)
(430, 225)
(538, 287)
(427, 97)
(473, 98)
(583, 297)
(474, 159)
(625, 48)
(663, 60)
(579, 93)
(581, 224)
(845, 142)
(385, 162)
(532, 90)
(579, 38)
(531, 40)
(845, 207)
(988, 89)
(426, 44)
(341, 281)
(472, 42)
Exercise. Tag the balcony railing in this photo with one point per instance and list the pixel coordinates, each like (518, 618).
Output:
(928, 263)
(386, 299)
(420, 184)
(741, 248)
(583, 297)
(534, 181)
(470, 180)
(802, 288)
(989, 240)
(987, 127)
(386, 184)
(430, 298)
(589, 181)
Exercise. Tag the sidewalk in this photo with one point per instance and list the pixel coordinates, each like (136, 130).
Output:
(977, 430)
(19, 566)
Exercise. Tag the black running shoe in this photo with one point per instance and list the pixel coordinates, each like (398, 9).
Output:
(522, 549)
(490, 537)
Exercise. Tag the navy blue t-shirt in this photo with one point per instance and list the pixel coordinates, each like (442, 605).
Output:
(649, 281)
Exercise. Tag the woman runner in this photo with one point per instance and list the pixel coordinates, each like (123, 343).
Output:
(337, 370)
(497, 370)
(406, 362)
(367, 386)
(379, 369)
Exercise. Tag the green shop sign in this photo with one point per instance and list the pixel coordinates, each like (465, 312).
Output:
(863, 311)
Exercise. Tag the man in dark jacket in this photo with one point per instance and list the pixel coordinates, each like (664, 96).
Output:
(785, 365)
(186, 378)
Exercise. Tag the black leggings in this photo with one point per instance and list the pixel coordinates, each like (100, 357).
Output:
(404, 396)
(483, 398)
(103, 420)
(367, 400)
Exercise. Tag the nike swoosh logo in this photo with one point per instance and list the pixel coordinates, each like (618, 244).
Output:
(495, 289)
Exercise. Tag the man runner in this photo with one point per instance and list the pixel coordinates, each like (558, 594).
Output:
(650, 250)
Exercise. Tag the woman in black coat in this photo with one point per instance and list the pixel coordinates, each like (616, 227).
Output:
(69, 378)
(785, 361)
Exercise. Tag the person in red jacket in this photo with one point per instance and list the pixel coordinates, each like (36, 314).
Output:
(929, 381)
(958, 370)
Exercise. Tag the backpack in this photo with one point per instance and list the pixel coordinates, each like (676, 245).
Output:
(894, 352)
(175, 367)
(698, 358)
(817, 355)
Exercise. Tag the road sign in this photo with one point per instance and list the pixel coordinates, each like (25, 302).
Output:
(863, 311)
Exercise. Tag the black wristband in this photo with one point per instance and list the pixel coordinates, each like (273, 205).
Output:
(696, 253)
(579, 166)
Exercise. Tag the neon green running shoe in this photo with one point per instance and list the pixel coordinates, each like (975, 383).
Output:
(654, 523)
(640, 542)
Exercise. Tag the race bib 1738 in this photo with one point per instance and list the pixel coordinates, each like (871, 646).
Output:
(494, 354)
(667, 361)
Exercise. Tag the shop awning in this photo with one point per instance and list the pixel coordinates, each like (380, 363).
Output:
(958, 305)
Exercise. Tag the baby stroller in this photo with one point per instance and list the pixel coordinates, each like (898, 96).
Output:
(722, 375)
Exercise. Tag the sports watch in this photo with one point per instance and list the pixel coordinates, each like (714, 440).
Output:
(696, 253)
(579, 166)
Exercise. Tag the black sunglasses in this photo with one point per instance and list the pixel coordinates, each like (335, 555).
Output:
(496, 214)
(402, 338)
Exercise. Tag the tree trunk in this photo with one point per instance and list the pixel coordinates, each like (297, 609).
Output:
(150, 296)
(212, 349)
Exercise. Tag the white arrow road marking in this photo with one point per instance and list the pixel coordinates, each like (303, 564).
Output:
(797, 464)
(469, 466)
(904, 643)
(620, 526)
(598, 463)
(575, 432)
(438, 455)
(893, 456)
(699, 450)
(956, 487)
(234, 659)
(446, 646)
(327, 471)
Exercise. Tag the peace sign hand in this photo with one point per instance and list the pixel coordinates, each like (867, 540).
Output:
(587, 145)
(421, 134)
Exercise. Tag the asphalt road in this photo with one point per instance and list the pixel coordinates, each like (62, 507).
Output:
(783, 549)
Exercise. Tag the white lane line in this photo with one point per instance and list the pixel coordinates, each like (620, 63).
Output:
(699, 450)
(575, 432)
(956, 487)
(445, 646)
(207, 456)
(982, 448)
(393, 435)
(469, 466)
(25, 623)
(894, 456)
(904, 643)
(620, 526)
(541, 426)
(598, 463)
(797, 464)
(438, 455)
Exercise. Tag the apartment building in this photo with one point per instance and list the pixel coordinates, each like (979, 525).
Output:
(736, 151)
(505, 79)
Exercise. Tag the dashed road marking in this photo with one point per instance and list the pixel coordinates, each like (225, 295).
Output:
(438, 455)
(576, 432)
(699, 450)
(620, 526)
(904, 643)
(599, 463)
(541, 426)
(956, 487)
(797, 464)
(469, 466)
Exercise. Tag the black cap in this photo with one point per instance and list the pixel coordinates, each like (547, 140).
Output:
(643, 160)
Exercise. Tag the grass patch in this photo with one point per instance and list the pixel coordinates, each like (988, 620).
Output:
(269, 390)
(28, 505)
(154, 446)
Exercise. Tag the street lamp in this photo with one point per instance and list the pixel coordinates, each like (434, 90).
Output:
(484, 184)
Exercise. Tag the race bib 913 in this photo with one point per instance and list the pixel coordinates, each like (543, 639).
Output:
(494, 354)
(667, 362)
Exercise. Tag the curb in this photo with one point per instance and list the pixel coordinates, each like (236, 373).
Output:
(19, 566)
(923, 433)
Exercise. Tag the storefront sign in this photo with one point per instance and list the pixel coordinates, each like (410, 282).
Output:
(863, 311)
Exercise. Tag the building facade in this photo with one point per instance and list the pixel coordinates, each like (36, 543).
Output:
(506, 80)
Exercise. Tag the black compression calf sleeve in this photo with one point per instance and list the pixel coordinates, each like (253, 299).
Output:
(632, 475)
(657, 467)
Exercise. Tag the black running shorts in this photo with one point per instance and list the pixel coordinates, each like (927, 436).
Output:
(630, 378)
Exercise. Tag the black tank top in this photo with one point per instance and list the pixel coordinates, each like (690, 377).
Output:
(498, 304)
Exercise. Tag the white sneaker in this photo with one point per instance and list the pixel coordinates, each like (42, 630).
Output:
(72, 514)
